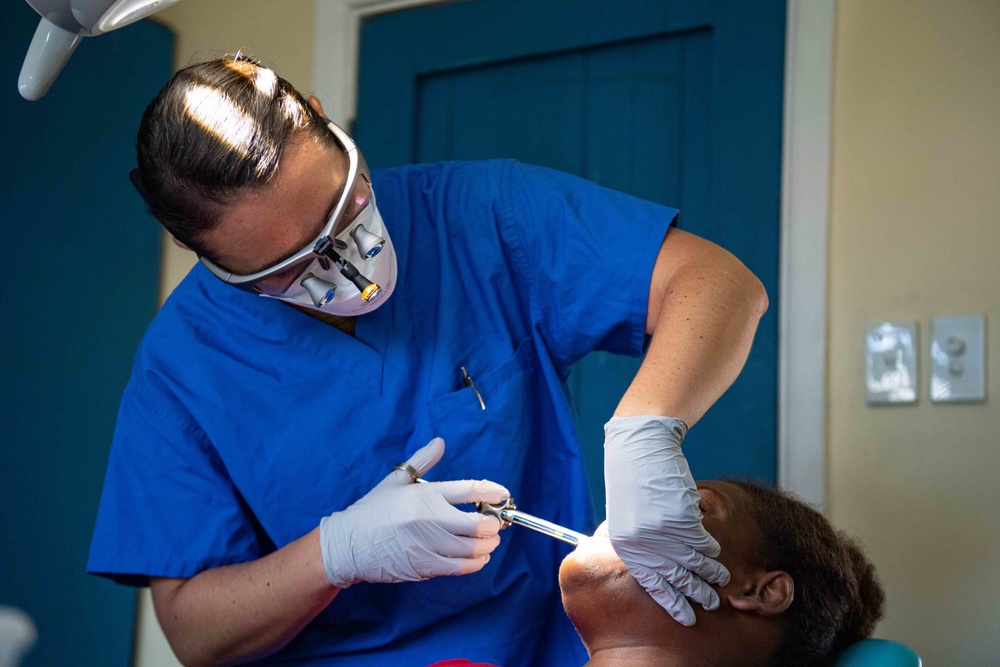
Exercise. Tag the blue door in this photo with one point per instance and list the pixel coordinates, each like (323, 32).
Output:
(81, 266)
(675, 102)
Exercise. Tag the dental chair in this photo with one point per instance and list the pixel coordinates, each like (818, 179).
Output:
(878, 653)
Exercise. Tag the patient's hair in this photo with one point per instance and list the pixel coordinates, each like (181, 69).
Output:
(838, 598)
(215, 131)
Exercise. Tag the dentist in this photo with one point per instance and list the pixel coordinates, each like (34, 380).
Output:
(339, 319)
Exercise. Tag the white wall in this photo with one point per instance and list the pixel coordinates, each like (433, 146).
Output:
(915, 233)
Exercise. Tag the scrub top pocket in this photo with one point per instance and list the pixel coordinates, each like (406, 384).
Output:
(489, 443)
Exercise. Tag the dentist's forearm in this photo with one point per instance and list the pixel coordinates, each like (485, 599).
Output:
(246, 611)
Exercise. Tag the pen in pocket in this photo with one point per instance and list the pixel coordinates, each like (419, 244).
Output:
(467, 381)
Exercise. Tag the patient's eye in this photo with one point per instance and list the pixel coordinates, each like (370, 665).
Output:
(703, 507)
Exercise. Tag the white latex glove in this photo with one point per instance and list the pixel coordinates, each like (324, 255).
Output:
(653, 518)
(401, 531)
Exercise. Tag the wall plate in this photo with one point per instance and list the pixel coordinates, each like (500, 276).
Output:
(891, 362)
(958, 354)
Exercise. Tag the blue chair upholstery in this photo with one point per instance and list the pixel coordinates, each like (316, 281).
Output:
(878, 653)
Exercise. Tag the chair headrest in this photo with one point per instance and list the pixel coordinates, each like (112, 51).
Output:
(878, 653)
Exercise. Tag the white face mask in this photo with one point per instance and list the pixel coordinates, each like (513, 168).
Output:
(349, 274)
(347, 299)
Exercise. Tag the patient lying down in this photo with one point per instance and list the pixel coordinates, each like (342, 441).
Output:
(800, 591)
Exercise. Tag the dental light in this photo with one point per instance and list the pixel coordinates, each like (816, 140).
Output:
(63, 24)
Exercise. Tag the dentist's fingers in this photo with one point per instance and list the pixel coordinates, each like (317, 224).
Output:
(689, 585)
(665, 595)
(461, 546)
(708, 569)
(417, 465)
(468, 491)
(459, 566)
(472, 491)
(427, 456)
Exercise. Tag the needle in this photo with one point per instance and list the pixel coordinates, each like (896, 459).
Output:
(542, 526)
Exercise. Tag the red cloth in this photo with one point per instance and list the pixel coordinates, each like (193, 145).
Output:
(460, 662)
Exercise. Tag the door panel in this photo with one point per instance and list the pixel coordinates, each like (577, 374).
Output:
(675, 102)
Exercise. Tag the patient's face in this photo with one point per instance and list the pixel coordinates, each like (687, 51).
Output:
(597, 588)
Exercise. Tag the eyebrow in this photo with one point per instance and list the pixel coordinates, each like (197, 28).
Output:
(723, 497)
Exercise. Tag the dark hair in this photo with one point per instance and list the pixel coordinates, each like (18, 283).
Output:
(216, 130)
(838, 598)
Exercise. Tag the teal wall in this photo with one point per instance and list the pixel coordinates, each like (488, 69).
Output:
(80, 262)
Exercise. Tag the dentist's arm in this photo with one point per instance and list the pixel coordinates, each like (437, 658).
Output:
(400, 531)
(241, 612)
(704, 306)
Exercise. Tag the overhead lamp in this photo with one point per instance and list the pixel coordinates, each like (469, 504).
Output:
(64, 23)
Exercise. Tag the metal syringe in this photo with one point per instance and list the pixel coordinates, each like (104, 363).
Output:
(507, 513)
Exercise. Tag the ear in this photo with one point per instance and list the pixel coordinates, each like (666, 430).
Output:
(178, 243)
(767, 594)
(316, 105)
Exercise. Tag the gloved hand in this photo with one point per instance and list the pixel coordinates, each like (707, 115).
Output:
(653, 518)
(401, 531)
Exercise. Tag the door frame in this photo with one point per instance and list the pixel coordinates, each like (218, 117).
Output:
(805, 205)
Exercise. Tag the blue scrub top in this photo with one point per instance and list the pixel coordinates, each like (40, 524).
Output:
(246, 421)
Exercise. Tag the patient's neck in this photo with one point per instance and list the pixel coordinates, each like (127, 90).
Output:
(719, 638)
(641, 656)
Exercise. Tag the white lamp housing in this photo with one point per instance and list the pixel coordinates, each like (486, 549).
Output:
(63, 24)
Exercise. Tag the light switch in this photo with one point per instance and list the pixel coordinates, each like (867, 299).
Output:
(958, 353)
(891, 362)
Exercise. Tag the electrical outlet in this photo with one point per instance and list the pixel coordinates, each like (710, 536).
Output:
(958, 352)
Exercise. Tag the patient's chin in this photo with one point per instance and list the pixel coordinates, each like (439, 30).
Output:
(598, 592)
(593, 564)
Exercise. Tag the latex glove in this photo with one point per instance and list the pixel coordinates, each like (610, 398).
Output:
(653, 518)
(401, 531)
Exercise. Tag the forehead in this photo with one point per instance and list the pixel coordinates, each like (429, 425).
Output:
(734, 496)
(734, 527)
(272, 222)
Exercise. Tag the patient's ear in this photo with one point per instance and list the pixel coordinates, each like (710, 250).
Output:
(179, 244)
(766, 594)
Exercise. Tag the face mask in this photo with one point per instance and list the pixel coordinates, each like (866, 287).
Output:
(349, 274)
(323, 286)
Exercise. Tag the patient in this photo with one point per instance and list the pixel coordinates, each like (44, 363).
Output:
(800, 591)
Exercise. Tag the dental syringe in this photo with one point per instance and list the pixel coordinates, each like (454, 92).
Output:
(507, 513)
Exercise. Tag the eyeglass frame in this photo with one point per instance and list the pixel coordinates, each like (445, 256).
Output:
(357, 166)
